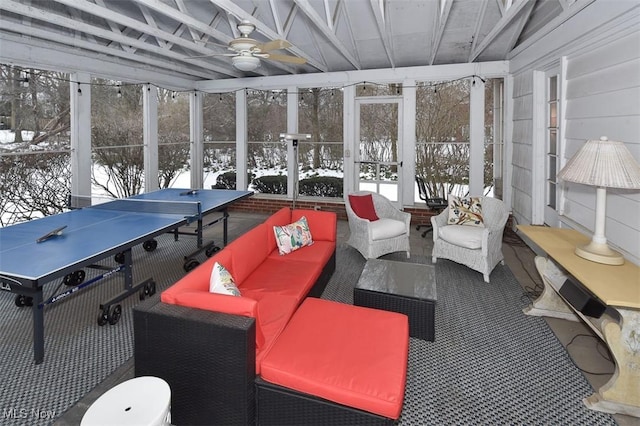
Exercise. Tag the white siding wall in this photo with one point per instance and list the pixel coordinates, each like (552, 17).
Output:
(602, 99)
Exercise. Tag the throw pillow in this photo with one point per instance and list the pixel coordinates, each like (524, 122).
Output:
(465, 211)
(291, 237)
(362, 206)
(222, 282)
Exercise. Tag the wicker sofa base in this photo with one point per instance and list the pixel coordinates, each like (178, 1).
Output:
(207, 358)
(280, 406)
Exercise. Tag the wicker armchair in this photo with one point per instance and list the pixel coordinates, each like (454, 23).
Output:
(483, 250)
(364, 232)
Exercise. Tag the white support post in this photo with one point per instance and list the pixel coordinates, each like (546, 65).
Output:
(80, 99)
(350, 144)
(408, 142)
(241, 140)
(196, 101)
(150, 136)
(476, 138)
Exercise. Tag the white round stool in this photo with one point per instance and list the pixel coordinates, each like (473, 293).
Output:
(141, 401)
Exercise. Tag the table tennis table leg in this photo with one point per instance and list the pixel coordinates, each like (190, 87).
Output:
(225, 215)
(38, 327)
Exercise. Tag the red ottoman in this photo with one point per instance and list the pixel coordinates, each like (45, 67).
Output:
(335, 363)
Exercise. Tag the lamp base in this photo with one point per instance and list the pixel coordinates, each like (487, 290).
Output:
(600, 253)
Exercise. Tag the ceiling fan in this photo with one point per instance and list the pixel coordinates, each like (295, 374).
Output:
(248, 52)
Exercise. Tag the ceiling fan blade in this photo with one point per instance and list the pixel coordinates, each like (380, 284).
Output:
(287, 58)
(273, 45)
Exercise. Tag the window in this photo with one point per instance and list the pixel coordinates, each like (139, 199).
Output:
(553, 113)
(116, 135)
(173, 139)
(35, 164)
(267, 156)
(494, 142)
(442, 137)
(219, 133)
(320, 160)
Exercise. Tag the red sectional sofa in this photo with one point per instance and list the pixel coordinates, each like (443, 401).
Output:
(272, 286)
(321, 362)
(210, 356)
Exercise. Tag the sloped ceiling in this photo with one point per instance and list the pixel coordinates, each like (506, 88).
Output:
(332, 35)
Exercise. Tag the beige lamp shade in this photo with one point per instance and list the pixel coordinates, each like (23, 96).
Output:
(603, 164)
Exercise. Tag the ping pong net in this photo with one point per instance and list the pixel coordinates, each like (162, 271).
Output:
(186, 209)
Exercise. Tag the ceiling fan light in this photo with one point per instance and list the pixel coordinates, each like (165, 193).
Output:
(245, 63)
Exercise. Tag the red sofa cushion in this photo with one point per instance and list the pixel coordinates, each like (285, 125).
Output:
(290, 277)
(347, 354)
(249, 250)
(362, 206)
(322, 225)
(198, 279)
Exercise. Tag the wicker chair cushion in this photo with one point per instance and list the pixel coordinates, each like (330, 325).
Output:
(346, 354)
(385, 228)
(362, 206)
(461, 235)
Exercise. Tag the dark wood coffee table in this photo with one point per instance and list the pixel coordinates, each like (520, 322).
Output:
(407, 288)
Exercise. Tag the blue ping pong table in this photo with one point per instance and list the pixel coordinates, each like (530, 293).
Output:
(59, 246)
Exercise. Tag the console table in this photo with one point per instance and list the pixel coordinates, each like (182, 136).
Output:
(617, 287)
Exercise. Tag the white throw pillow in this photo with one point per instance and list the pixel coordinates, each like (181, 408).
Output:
(222, 282)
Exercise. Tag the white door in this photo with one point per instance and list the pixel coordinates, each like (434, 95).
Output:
(378, 164)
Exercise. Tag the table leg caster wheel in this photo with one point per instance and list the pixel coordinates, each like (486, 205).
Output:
(21, 301)
(119, 258)
(211, 250)
(103, 318)
(149, 289)
(150, 245)
(190, 265)
(115, 314)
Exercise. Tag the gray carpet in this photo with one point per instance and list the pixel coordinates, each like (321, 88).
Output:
(79, 354)
(489, 364)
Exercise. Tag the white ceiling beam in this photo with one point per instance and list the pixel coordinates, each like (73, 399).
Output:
(378, 11)
(552, 25)
(341, 10)
(479, 22)
(441, 24)
(186, 19)
(69, 23)
(45, 55)
(519, 27)
(313, 16)
(512, 14)
(128, 22)
(26, 30)
(276, 17)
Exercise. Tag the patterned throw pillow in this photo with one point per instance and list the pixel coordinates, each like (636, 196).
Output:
(293, 236)
(222, 282)
(465, 211)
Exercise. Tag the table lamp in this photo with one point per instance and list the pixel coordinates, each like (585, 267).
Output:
(603, 164)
